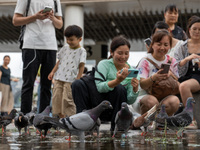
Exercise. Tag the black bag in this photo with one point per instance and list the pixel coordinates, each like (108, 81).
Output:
(22, 30)
(89, 80)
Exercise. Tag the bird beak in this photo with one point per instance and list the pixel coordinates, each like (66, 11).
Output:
(110, 106)
(20, 118)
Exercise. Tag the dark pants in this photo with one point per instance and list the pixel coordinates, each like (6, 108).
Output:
(83, 102)
(31, 62)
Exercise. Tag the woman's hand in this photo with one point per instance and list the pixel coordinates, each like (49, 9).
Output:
(135, 83)
(121, 75)
(192, 56)
(158, 76)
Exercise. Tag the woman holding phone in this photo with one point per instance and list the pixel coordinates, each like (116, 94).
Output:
(161, 43)
(116, 87)
(188, 58)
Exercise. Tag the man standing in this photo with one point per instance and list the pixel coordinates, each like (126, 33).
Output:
(39, 46)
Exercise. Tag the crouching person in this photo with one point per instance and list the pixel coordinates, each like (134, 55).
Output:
(113, 85)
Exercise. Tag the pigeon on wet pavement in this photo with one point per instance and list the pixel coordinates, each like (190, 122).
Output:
(79, 123)
(7, 119)
(123, 119)
(162, 114)
(21, 121)
(181, 120)
(40, 123)
(31, 116)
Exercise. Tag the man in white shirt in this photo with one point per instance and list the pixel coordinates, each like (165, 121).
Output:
(39, 47)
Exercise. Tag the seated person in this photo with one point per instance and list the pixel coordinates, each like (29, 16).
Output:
(161, 43)
(117, 88)
(188, 58)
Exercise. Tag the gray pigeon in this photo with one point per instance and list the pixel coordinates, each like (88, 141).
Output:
(21, 121)
(40, 123)
(79, 123)
(31, 116)
(7, 119)
(162, 114)
(181, 120)
(123, 119)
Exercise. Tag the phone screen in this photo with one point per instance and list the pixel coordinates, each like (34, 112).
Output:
(47, 9)
(165, 68)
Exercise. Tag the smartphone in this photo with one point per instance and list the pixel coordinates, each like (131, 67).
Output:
(133, 73)
(165, 68)
(147, 41)
(47, 9)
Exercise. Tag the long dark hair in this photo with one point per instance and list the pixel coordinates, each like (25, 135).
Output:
(117, 42)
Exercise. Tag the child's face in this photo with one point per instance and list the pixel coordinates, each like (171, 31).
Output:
(73, 41)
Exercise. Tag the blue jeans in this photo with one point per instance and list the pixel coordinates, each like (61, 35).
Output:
(31, 61)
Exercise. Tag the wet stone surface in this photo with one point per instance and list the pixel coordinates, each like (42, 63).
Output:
(57, 140)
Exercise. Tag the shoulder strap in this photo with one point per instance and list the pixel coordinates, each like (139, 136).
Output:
(55, 5)
(27, 7)
(153, 63)
(169, 61)
(100, 74)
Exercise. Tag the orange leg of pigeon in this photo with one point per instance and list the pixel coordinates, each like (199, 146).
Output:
(69, 139)
(3, 131)
(38, 132)
(144, 133)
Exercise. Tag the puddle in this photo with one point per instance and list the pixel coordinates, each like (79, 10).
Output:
(134, 140)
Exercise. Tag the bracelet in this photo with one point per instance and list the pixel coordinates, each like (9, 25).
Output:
(152, 79)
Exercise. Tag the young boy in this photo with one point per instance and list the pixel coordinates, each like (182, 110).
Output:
(69, 67)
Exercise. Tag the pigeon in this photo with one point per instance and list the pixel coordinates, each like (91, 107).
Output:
(7, 119)
(39, 122)
(31, 116)
(144, 120)
(21, 121)
(79, 123)
(162, 114)
(181, 120)
(123, 119)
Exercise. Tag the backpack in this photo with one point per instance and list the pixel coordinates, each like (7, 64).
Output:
(89, 80)
(23, 27)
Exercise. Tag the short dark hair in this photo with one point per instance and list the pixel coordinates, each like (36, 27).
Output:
(6, 56)
(171, 7)
(157, 37)
(73, 30)
(191, 21)
(160, 25)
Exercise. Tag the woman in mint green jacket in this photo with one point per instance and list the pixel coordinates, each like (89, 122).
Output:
(117, 88)
(114, 86)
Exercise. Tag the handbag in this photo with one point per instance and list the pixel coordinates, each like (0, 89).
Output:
(164, 88)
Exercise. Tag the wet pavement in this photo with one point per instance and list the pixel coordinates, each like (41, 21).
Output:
(155, 139)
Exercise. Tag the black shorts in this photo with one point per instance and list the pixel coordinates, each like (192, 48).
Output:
(191, 76)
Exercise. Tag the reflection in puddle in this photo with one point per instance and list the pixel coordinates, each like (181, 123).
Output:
(57, 141)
